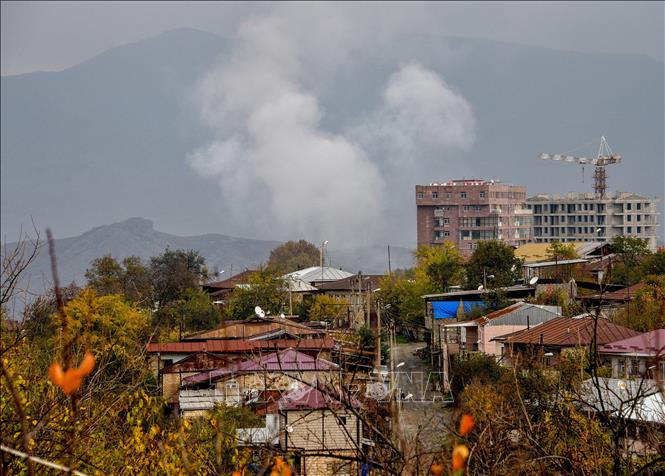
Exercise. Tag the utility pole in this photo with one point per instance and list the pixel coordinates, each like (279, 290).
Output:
(321, 258)
(377, 362)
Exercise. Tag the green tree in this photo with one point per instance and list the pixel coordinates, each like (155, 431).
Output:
(492, 258)
(137, 281)
(105, 276)
(292, 256)
(558, 251)
(630, 249)
(441, 265)
(654, 263)
(176, 272)
(263, 289)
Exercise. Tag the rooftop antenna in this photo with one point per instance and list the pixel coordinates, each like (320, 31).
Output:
(605, 157)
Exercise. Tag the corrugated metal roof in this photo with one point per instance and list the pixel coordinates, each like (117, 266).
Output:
(289, 360)
(474, 292)
(622, 295)
(347, 284)
(310, 398)
(639, 400)
(648, 344)
(254, 327)
(240, 345)
(560, 262)
(569, 332)
(317, 273)
(517, 314)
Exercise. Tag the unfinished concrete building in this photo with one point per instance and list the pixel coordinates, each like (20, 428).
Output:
(587, 217)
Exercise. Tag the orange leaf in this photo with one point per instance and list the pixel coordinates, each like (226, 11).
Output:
(436, 469)
(460, 454)
(466, 424)
(55, 374)
(87, 364)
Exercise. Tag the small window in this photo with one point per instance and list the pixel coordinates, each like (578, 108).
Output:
(639, 206)
(628, 206)
(421, 195)
(446, 221)
(478, 208)
(449, 195)
(482, 194)
(446, 233)
(639, 229)
(462, 195)
(639, 217)
(466, 208)
(435, 194)
(630, 229)
(342, 419)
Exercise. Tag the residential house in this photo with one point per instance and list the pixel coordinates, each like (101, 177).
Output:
(640, 356)
(357, 290)
(246, 381)
(556, 336)
(478, 334)
(612, 300)
(320, 431)
(219, 291)
(440, 308)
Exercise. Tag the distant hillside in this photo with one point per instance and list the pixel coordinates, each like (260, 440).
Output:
(137, 237)
(109, 137)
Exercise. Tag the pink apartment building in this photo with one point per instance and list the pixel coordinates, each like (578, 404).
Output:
(467, 211)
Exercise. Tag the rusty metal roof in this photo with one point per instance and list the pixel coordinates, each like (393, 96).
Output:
(240, 346)
(253, 328)
(570, 332)
(351, 282)
(622, 295)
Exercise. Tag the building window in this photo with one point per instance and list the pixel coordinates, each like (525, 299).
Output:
(435, 194)
(482, 194)
(478, 208)
(449, 195)
(639, 229)
(466, 208)
(342, 419)
(639, 206)
(446, 221)
(462, 195)
(421, 195)
(629, 218)
(639, 217)
(629, 229)
(446, 233)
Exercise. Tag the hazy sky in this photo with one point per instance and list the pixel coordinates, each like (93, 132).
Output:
(50, 36)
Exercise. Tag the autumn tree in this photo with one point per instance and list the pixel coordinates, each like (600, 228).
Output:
(263, 289)
(631, 251)
(441, 265)
(558, 251)
(328, 308)
(492, 258)
(292, 256)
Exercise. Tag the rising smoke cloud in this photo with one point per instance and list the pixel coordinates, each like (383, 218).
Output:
(281, 174)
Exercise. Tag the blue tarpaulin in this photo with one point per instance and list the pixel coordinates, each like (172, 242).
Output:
(448, 309)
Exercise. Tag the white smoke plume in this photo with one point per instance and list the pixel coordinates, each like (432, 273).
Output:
(281, 174)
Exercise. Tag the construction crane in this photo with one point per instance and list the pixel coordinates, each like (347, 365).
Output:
(605, 157)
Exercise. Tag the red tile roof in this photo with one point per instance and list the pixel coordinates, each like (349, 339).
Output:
(650, 344)
(240, 345)
(569, 332)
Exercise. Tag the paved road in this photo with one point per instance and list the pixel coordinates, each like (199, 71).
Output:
(422, 422)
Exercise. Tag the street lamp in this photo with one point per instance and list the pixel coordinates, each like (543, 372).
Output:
(321, 258)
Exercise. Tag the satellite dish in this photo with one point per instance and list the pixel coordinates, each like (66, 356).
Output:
(282, 316)
(259, 312)
(289, 428)
(533, 280)
(480, 288)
